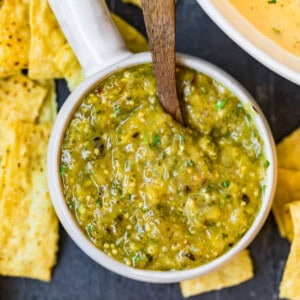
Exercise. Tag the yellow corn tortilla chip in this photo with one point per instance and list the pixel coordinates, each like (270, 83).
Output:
(20, 98)
(134, 40)
(28, 227)
(288, 190)
(14, 35)
(46, 40)
(288, 151)
(6, 73)
(238, 270)
(290, 284)
(48, 110)
(134, 2)
(67, 63)
(288, 224)
(5, 139)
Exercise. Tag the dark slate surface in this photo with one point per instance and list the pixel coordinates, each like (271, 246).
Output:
(77, 277)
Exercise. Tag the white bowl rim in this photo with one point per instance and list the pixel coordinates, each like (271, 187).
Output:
(263, 57)
(69, 223)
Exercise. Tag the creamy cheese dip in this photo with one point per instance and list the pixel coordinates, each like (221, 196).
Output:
(279, 20)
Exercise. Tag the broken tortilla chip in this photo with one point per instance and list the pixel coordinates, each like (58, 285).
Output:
(14, 35)
(288, 224)
(5, 139)
(238, 270)
(29, 227)
(67, 63)
(134, 2)
(20, 98)
(6, 73)
(288, 190)
(134, 40)
(288, 151)
(290, 284)
(46, 40)
(48, 109)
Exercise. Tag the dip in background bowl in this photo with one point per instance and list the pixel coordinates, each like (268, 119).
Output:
(241, 31)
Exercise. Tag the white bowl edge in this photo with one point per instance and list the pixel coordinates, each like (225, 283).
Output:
(66, 217)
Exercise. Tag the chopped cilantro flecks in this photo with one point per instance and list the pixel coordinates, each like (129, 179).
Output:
(117, 111)
(226, 183)
(136, 258)
(272, 1)
(99, 203)
(90, 227)
(156, 140)
(63, 169)
(189, 163)
(267, 164)
(181, 137)
(221, 103)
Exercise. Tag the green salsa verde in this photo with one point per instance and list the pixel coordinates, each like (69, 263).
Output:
(152, 193)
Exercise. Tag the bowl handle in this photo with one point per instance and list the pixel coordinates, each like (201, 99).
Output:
(92, 34)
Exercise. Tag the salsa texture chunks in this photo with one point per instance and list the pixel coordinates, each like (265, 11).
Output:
(151, 193)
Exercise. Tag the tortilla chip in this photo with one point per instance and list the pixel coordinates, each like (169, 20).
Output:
(6, 73)
(67, 63)
(48, 110)
(288, 224)
(20, 98)
(288, 151)
(5, 139)
(29, 227)
(238, 270)
(134, 40)
(14, 35)
(134, 2)
(288, 190)
(46, 40)
(290, 284)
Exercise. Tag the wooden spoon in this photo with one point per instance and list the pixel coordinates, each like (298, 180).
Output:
(159, 18)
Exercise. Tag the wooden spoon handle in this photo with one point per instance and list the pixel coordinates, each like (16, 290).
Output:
(159, 18)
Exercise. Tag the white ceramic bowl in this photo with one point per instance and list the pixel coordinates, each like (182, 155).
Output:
(251, 40)
(61, 124)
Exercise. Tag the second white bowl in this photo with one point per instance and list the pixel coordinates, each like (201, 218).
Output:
(251, 40)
